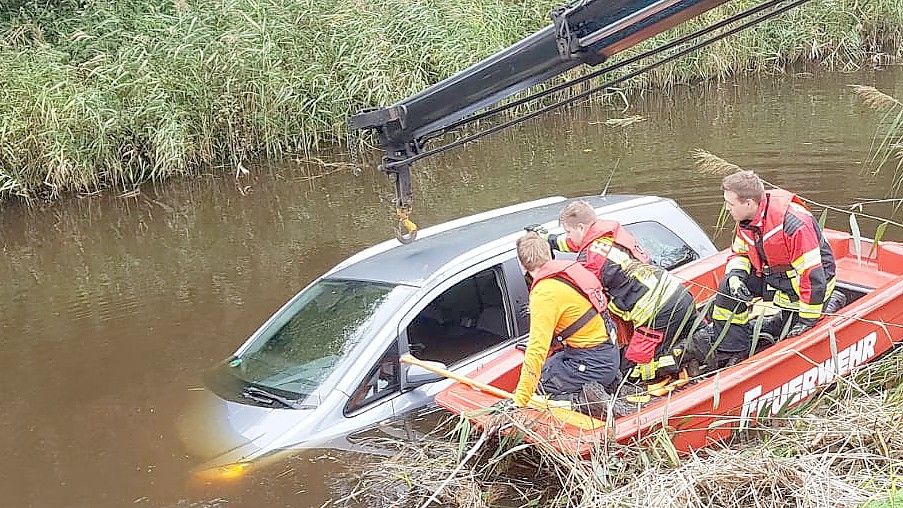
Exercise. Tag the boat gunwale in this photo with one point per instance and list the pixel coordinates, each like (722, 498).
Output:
(680, 404)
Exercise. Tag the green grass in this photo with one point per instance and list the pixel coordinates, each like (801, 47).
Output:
(892, 501)
(95, 94)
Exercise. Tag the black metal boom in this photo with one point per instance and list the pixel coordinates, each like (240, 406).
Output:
(586, 32)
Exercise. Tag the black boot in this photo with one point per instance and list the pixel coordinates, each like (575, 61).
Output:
(773, 325)
(835, 302)
(701, 344)
(594, 400)
(702, 356)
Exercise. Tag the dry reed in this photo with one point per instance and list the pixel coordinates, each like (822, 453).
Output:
(874, 98)
(711, 164)
(846, 450)
(100, 94)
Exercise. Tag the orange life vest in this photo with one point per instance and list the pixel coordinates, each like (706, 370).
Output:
(576, 276)
(594, 259)
(765, 233)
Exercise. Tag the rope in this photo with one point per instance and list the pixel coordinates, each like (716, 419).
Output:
(837, 209)
(606, 70)
(592, 91)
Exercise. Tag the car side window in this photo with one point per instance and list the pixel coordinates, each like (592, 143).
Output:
(467, 318)
(382, 380)
(664, 247)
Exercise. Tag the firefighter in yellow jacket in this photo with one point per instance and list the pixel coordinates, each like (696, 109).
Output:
(566, 307)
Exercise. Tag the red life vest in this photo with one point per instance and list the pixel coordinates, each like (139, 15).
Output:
(578, 277)
(765, 233)
(595, 258)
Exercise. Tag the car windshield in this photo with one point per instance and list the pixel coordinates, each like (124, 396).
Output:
(308, 339)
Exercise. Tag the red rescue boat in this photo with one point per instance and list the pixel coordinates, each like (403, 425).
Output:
(781, 376)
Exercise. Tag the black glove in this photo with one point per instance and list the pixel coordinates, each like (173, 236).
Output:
(801, 326)
(524, 310)
(738, 289)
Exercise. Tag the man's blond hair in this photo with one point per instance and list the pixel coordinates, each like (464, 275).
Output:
(533, 251)
(577, 212)
(745, 184)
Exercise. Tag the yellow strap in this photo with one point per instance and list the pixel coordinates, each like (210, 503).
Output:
(667, 386)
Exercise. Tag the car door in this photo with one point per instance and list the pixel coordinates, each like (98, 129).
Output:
(518, 295)
(380, 386)
(472, 310)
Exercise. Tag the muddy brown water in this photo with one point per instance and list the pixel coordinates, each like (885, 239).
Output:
(112, 307)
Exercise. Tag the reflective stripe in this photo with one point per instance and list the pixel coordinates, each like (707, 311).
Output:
(740, 246)
(798, 208)
(644, 371)
(807, 260)
(662, 286)
(616, 255)
(722, 314)
(773, 232)
(810, 311)
(814, 310)
(602, 246)
(562, 242)
(746, 238)
(794, 281)
(739, 263)
(783, 300)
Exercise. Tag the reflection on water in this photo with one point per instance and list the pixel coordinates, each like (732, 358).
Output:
(112, 307)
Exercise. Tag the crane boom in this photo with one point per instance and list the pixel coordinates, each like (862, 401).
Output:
(585, 32)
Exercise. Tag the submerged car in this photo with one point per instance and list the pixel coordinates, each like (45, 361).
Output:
(327, 364)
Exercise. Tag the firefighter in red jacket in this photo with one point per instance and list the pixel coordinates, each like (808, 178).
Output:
(778, 253)
(655, 310)
(567, 308)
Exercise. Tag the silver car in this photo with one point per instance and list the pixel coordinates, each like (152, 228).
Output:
(327, 363)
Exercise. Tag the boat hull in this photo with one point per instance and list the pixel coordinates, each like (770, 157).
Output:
(781, 376)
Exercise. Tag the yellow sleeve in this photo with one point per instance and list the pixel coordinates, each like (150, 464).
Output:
(560, 243)
(738, 260)
(543, 319)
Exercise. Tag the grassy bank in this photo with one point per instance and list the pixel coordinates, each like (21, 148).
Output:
(844, 448)
(99, 94)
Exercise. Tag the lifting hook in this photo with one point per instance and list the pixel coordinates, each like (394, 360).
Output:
(405, 230)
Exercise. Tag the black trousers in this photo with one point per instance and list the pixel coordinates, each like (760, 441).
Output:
(734, 314)
(674, 320)
(568, 370)
(677, 310)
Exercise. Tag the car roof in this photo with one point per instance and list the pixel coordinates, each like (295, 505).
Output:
(435, 247)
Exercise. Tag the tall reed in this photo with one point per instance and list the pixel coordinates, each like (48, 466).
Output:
(843, 448)
(112, 93)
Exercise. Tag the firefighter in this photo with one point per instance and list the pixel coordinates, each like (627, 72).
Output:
(658, 310)
(566, 306)
(778, 253)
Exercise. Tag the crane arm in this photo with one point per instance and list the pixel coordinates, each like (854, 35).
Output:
(585, 32)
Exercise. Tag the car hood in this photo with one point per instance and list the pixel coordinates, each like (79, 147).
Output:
(217, 431)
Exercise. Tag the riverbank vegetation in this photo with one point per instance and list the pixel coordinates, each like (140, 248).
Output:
(843, 448)
(111, 94)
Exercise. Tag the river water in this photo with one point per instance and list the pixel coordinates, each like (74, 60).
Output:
(112, 307)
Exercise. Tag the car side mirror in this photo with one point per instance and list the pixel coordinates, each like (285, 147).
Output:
(419, 376)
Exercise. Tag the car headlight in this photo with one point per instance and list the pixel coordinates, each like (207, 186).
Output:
(227, 472)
